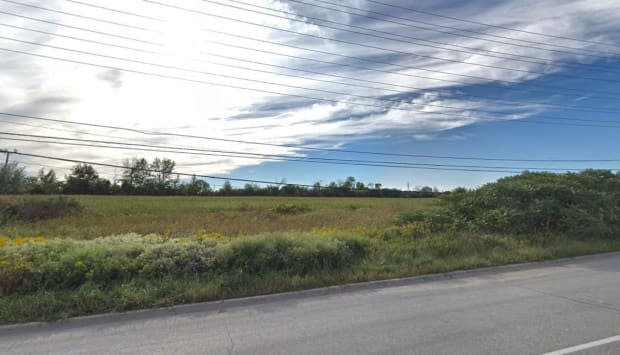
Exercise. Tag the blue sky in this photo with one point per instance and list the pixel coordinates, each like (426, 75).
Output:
(378, 94)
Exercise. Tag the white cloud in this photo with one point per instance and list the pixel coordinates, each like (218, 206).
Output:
(97, 95)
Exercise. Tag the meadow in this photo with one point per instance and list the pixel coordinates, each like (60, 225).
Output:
(231, 216)
(62, 257)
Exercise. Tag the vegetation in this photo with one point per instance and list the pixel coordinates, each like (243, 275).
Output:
(586, 204)
(180, 216)
(140, 177)
(30, 210)
(57, 268)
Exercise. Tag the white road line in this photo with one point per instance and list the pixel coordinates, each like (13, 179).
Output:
(585, 346)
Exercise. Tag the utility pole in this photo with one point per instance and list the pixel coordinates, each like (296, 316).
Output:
(5, 172)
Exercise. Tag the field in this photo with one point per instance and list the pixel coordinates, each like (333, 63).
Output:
(64, 257)
(230, 216)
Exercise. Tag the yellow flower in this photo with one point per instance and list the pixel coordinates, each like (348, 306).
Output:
(22, 240)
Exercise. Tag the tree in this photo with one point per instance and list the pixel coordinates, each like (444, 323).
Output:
(196, 187)
(12, 179)
(46, 183)
(226, 188)
(348, 184)
(135, 175)
(161, 177)
(84, 179)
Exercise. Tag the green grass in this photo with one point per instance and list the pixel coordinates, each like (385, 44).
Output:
(232, 216)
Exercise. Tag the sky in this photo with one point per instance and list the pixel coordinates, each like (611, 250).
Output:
(354, 75)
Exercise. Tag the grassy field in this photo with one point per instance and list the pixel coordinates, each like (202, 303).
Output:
(124, 253)
(230, 216)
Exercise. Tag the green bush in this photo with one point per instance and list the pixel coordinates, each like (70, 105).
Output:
(69, 264)
(33, 209)
(434, 221)
(586, 204)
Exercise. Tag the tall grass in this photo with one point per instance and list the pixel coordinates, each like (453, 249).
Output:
(232, 216)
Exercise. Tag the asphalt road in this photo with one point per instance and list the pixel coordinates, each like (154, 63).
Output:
(528, 309)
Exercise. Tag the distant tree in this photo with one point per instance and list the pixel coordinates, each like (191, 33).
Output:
(135, 176)
(226, 188)
(348, 184)
(160, 179)
(12, 179)
(195, 187)
(84, 179)
(46, 183)
(316, 188)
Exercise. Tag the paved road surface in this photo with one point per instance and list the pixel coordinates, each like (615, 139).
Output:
(531, 309)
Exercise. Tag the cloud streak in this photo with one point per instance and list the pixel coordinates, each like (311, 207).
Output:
(64, 90)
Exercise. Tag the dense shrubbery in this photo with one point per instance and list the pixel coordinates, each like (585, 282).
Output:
(586, 204)
(67, 264)
(32, 209)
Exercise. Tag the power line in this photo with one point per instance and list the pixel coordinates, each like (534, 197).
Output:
(140, 50)
(396, 17)
(494, 26)
(291, 86)
(118, 11)
(154, 133)
(79, 28)
(382, 99)
(140, 28)
(156, 171)
(201, 151)
(469, 50)
(199, 81)
(273, 157)
(234, 179)
(423, 167)
(503, 87)
(373, 46)
(383, 14)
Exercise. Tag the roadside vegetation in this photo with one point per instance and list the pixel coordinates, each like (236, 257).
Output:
(533, 216)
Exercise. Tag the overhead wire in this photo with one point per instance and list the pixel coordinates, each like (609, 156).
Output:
(261, 156)
(156, 171)
(304, 147)
(402, 52)
(180, 8)
(374, 61)
(380, 99)
(385, 17)
(469, 50)
(159, 53)
(491, 25)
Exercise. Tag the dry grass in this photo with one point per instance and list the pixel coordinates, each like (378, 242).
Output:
(232, 216)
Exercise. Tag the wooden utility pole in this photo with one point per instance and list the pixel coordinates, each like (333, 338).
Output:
(6, 161)
(5, 173)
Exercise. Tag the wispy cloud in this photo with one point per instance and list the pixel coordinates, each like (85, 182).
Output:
(67, 90)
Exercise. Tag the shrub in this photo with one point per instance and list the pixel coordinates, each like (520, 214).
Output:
(434, 221)
(69, 264)
(584, 205)
(287, 208)
(33, 209)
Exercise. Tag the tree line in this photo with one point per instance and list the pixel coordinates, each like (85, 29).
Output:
(141, 177)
